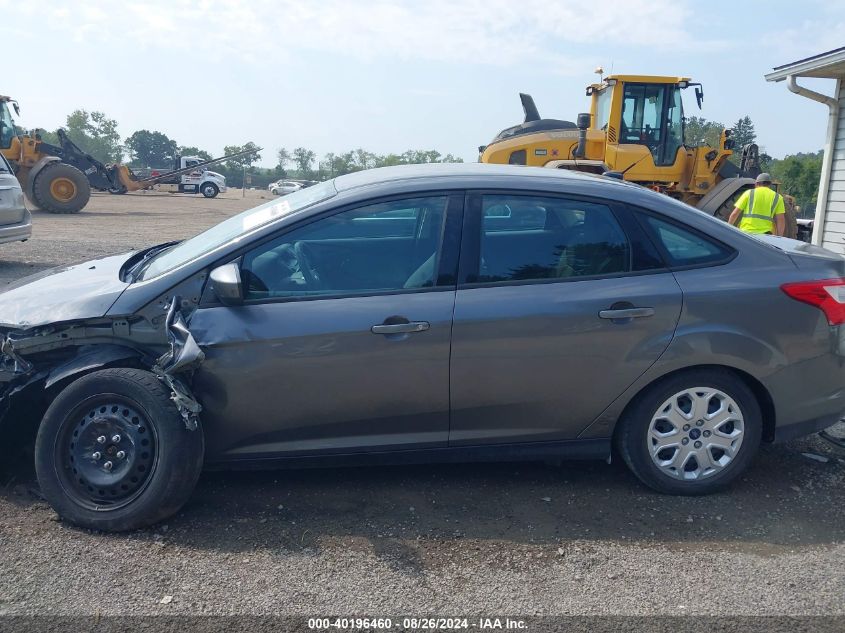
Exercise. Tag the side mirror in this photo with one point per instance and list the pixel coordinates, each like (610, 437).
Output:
(226, 284)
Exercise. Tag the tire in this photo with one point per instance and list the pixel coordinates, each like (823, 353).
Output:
(209, 190)
(61, 188)
(161, 459)
(648, 425)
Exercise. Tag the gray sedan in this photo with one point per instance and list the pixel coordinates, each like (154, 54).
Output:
(15, 219)
(431, 313)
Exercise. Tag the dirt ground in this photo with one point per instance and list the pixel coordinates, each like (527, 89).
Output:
(497, 539)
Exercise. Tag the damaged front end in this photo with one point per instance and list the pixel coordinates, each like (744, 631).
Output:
(183, 357)
(41, 358)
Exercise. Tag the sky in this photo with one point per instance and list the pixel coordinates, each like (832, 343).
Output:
(388, 76)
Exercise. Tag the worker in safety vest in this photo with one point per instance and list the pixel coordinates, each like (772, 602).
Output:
(760, 210)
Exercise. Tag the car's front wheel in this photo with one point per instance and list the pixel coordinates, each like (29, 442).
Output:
(693, 433)
(114, 454)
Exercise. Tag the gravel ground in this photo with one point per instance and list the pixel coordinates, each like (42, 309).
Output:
(493, 539)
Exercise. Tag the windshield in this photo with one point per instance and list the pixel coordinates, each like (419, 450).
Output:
(236, 226)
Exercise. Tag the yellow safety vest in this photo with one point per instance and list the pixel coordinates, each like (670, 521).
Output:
(759, 207)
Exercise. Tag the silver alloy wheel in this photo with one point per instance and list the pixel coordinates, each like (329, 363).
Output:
(695, 433)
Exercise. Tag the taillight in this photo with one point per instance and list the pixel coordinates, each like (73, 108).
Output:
(826, 294)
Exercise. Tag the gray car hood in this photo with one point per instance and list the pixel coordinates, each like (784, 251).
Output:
(67, 293)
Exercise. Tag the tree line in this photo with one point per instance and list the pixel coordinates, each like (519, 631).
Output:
(797, 174)
(96, 133)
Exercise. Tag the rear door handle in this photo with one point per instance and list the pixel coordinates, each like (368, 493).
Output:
(627, 313)
(401, 328)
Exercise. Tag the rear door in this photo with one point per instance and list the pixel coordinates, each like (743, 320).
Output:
(562, 304)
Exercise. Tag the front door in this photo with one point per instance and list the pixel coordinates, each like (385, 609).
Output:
(342, 344)
(562, 304)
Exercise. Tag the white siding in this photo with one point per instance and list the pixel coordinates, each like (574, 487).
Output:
(833, 236)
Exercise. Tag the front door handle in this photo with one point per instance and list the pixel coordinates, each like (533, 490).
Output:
(626, 313)
(401, 328)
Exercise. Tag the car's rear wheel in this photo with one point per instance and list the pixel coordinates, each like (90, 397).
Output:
(693, 433)
(113, 452)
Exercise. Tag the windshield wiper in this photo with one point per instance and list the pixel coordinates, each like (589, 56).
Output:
(132, 273)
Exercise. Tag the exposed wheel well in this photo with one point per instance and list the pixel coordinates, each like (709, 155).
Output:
(26, 410)
(764, 399)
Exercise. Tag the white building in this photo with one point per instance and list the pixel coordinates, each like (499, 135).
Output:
(829, 227)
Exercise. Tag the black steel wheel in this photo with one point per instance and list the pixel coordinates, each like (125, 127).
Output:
(106, 459)
(113, 453)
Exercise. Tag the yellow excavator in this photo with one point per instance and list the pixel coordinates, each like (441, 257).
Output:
(635, 131)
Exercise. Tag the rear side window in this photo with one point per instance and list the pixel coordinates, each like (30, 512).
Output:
(537, 237)
(684, 247)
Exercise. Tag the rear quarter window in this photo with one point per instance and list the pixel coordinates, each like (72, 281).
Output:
(685, 247)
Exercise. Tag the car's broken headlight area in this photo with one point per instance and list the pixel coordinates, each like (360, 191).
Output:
(48, 355)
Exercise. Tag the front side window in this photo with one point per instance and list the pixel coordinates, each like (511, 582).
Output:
(602, 109)
(537, 238)
(234, 227)
(382, 247)
(674, 125)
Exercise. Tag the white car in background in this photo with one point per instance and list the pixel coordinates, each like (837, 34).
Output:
(15, 219)
(284, 187)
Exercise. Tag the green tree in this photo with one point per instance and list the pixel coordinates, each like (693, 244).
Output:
(743, 133)
(48, 137)
(799, 176)
(304, 159)
(283, 157)
(151, 149)
(190, 150)
(95, 133)
(699, 131)
(234, 168)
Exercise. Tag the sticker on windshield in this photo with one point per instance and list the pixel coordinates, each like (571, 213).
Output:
(266, 214)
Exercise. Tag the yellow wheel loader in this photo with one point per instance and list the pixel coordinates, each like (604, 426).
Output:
(49, 182)
(635, 131)
(59, 178)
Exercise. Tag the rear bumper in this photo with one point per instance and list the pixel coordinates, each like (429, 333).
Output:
(17, 232)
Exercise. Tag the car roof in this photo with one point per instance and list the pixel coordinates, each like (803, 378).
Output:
(477, 171)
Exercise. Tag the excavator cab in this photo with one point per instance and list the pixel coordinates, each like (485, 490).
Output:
(653, 115)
